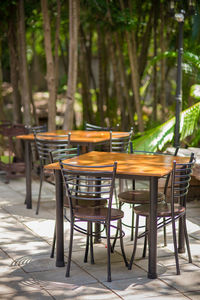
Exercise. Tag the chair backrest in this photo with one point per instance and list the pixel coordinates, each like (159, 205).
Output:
(61, 154)
(89, 182)
(91, 127)
(120, 144)
(156, 153)
(38, 129)
(181, 175)
(45, 146)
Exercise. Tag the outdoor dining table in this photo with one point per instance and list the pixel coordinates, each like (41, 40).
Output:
(129, 166)
(85, 138)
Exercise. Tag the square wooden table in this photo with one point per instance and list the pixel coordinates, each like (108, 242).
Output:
(129, 166)
(78, 137)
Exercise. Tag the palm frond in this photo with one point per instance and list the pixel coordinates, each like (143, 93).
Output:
(156, 138)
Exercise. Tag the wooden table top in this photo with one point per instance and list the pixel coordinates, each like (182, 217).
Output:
(81, 136)
(127, 164)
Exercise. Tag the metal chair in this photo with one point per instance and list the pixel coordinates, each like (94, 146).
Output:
(92, 127)
(63, 154)
(44, 146)
(100, 180)
(141, 196)
(120, 144)
(172, 210)
(35, 156)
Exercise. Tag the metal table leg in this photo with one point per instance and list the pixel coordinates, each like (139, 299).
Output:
(28, 161)
(59, 220)
(152, 268)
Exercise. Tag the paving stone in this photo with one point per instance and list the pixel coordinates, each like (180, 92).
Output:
(142, 288)
(16, 281)
(56, 279)
(83, 292)
(31, 295)
(187, 281)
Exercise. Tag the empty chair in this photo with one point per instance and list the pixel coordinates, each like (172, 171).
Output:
(35, 157)
(88, 183)
(120, 144)
(141, 196)
(63, 154)
(45, 144)
(172, 210)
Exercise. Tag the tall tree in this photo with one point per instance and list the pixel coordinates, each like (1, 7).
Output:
(24, 78)
(14, 65)
(73, 63)
(50, 76)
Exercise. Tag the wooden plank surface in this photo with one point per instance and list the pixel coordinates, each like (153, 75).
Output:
(127, 164)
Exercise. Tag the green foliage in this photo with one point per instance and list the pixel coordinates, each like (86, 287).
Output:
(156, 138)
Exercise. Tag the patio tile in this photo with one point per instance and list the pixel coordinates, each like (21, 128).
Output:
(83, 292)
(193, 295)
(187, 281)
(31, 295)
(56, 279)
(142, 288)
(16, 280)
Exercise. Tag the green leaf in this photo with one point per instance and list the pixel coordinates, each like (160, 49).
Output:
(156, 138)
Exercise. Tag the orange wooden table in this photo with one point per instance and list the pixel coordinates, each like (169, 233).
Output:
(148, 167)
(78, 137)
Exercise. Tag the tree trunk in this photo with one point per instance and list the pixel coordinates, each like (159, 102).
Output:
(73, 62)
(123, 80)
(162, 65)
(51, 83)
(155, 86)
(132, 53)
(24, 78)
(117, 83)
(56, 58)
(102, 89)
(2, 114)
(85, 87)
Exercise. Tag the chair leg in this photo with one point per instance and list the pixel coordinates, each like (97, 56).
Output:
(164, 233)
(122, 244)
(40, 189)
(108, 254)
(87, 244)
(132, 223)
(70, 248)
(145, 238)
(91, 244)
(116, 235)
(135, 243)
(175, 247)
(54, 242)
(187, 241)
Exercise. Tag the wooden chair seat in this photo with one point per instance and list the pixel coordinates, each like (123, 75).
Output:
(163, 210)
(138, 196)
(97, 214)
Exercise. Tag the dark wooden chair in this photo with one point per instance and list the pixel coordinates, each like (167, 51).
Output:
(85, 184)
(172, 210)
(44, 146)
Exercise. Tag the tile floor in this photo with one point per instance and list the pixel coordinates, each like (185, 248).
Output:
(27, 271)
